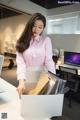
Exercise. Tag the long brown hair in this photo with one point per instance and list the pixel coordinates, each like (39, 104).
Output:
(24, 41)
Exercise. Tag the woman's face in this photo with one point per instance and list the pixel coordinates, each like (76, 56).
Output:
(37, 28)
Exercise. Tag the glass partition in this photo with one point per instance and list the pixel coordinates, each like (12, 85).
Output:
(68, 23)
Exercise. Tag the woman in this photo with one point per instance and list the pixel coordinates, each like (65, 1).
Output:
(33, 50)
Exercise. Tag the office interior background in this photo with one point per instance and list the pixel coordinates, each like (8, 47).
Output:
(63, 27)
(63, 24)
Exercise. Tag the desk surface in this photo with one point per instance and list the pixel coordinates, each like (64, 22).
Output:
(72, 67)
(69, 66)
(9, 101)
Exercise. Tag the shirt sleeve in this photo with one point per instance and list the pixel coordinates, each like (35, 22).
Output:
(49, 63)
(21, 66)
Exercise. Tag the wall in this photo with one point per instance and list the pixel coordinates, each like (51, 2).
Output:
(10, 30)
(68, 42)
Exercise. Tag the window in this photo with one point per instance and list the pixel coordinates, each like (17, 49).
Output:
(68, 23)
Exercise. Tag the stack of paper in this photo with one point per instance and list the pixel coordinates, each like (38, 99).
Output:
(41, 85)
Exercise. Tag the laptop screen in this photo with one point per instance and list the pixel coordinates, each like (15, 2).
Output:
(72, 58)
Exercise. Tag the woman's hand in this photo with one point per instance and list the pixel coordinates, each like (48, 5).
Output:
(21, 87)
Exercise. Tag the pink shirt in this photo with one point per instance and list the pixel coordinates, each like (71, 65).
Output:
(37, 55)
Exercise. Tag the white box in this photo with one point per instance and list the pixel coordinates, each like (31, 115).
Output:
(41, 107)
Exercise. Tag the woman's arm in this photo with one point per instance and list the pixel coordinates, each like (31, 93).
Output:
(49, 63)
(21, 72)
(21, 67)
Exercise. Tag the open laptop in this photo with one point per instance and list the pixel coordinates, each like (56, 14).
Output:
(71, 59)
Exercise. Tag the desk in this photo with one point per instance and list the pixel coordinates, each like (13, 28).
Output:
(72, 82)
(70, 67)
(72, 75)
(9, 101)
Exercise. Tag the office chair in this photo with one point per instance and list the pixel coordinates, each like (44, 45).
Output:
(71, 75)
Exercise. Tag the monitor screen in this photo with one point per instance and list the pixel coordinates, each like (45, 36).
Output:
(72, 58)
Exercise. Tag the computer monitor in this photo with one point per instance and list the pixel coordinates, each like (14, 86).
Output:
(72, 58)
